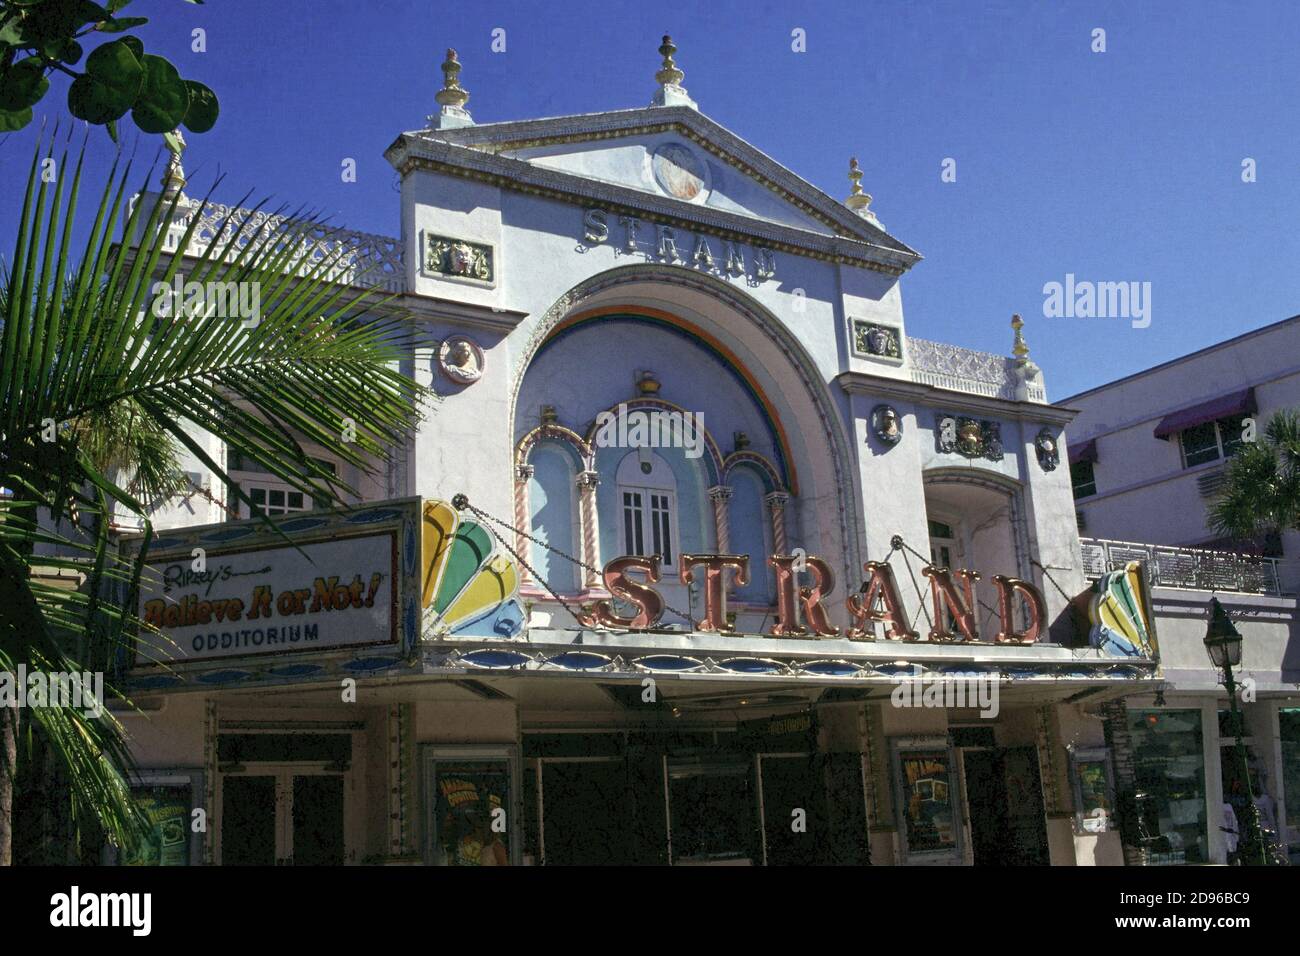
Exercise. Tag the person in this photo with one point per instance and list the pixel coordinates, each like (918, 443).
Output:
(1231, 832)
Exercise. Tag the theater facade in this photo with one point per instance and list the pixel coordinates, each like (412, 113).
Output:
(702, 558)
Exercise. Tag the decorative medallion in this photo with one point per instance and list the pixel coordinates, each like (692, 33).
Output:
(678, 172)
(886, 424)
(444, 255)
(876, 341)
(954, 434)
(461, 360)
(1049, 452)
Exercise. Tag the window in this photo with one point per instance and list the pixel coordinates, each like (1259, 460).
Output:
(1210, 441)
(268, 500)
(1084, 479)
(270, 496)
(648, 519)
(647, 502)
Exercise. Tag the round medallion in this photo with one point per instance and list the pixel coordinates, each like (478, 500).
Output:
(461, 360)
(678, 172)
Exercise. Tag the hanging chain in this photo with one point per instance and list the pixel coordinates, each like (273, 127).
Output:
(462, 502)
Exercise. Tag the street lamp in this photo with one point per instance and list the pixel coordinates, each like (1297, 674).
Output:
(1223, 644)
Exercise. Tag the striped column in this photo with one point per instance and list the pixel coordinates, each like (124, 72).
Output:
(587, 482)
(776, 502)
(522, 474)
(721, 497)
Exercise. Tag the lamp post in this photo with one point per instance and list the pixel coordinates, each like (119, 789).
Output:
(1223, 644)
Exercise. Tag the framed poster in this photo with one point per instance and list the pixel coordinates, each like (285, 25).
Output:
(1094, 789)
(168, 800)
(470, 798)
(927, 799)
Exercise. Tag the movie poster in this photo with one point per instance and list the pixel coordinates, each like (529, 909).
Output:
(928, 800)
(470, 813)
(167, 843)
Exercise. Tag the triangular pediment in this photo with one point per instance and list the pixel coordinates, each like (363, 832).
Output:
(672, 158)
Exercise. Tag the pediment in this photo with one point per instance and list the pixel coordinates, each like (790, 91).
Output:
(674, 157)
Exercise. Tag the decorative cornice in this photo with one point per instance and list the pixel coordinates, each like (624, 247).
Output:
(877, 385)
(464, 314)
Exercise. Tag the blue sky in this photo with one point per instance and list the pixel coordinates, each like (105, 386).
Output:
(1117, 166)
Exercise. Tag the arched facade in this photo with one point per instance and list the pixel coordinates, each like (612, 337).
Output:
(770, 435)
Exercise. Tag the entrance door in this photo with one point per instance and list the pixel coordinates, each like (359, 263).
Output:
(1004, 801)
(282, 816)
(586, 818)
(249, 834)
(794, 817)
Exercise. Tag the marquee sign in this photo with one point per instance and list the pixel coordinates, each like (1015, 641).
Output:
(802, 608)
(332, 581)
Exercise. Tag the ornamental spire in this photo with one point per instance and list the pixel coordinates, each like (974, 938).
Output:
(858, 200)
(452, 97)
(670, 92)
(173, 180)
(1019, 348)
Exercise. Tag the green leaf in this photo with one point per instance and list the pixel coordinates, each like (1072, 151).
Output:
(11, 120)
(164, 98)
(116, 5)
(117, 25)
(173, 142)
(110, 86)
(23, 85)
(136, 46)
(202, 114)
(111, 127)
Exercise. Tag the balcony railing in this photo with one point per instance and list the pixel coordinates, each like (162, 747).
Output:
(966, 370)
(1191, 568)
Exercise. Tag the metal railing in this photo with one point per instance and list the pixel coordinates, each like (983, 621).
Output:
(1191, 568)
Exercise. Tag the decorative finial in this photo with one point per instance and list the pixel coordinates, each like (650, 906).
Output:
(670, 92)
(857, 198)
(173, 180)
(648, 385)
(452, 97)
(1019, 348)
(859, 201)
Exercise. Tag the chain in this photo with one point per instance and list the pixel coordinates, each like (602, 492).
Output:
(462, 502)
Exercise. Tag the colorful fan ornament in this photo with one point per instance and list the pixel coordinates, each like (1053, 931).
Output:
(470, 588)
(1117, 610)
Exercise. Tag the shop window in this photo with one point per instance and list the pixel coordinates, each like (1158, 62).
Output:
(1210, 441)
(1169, 772)
(1289, 732)
(1084, 479)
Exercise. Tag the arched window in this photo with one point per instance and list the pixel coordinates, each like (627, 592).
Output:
(646, 499)
(553, 515)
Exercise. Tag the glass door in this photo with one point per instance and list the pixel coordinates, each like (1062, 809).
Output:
(283, 816)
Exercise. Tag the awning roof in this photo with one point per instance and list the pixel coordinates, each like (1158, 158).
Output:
(1085, 452)
(1236, 403)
